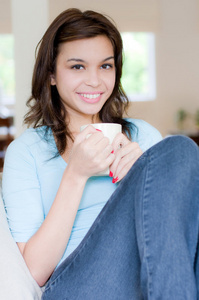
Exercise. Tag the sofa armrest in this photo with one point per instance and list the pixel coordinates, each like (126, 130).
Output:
(16, 281)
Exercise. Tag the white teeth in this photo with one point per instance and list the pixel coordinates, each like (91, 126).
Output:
(90, 96)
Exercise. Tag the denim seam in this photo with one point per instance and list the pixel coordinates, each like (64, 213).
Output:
(145, 230)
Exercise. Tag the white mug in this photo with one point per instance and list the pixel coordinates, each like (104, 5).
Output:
(110, 130)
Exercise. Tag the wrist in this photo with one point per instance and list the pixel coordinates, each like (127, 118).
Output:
(74, 177)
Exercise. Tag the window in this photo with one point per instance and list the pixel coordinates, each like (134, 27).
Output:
(7, 77)
(138, 79)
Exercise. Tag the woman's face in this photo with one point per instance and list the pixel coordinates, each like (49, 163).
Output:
(85, 75)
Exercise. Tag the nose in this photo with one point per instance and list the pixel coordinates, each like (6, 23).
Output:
(93, 78)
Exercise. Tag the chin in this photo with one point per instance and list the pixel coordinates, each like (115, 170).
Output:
(92, 112)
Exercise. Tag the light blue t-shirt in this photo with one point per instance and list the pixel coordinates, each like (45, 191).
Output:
(32, 175)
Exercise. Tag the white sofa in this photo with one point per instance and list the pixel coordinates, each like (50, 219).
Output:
(16, 282)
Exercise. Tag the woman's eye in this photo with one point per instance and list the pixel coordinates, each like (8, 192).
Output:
(77, 67)
(106, 66)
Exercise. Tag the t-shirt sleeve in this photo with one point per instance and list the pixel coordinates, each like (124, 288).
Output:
(21, 191)
(145, 134)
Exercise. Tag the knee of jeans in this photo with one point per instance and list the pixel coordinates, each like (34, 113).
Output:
(178, 151)
(183, 144)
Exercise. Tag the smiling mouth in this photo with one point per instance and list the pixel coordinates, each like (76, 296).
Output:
(90, 96)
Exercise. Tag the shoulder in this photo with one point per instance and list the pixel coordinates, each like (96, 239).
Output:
(25, 155)
(29, 138)
(144, 134)
(31, 143)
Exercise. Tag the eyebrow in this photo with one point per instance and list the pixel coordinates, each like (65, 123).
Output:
(81, 60)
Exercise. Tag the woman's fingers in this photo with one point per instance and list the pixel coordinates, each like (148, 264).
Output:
(126, 154)
(86, 133)
(128, 157)
(91, 152)
(120, 141)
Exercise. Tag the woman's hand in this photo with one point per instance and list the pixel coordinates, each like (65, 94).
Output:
(126, 154)
(91, 153)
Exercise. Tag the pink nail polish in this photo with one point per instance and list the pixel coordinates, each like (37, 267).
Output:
(98, 130)
(112, 151)
(115, 180)
(111, 174)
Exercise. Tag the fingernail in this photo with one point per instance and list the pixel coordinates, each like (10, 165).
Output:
(112, 151)
(111, 174)
(115, 180)
(98, 129)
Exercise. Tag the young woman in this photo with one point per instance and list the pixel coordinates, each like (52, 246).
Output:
(130, 235)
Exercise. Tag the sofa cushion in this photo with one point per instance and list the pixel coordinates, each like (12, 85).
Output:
(16, 281)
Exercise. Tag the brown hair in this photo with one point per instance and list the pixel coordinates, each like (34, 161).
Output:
(45, 105)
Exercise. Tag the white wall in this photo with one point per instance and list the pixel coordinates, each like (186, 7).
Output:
(177, 53)
(177, 60)
(29, 24)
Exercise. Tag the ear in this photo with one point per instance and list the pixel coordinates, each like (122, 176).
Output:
(52, 79)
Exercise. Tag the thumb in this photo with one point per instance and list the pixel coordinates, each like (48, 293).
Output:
(85, 133)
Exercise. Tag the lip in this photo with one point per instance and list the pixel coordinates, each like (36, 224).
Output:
(94, 97)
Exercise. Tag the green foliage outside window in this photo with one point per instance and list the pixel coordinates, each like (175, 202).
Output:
(136, 62)
(7, 80)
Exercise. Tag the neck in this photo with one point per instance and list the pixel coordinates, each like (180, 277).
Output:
(74, 124)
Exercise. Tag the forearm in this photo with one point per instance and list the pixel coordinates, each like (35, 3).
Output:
(45, 249)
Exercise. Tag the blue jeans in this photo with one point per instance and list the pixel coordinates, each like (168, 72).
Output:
(144, 243)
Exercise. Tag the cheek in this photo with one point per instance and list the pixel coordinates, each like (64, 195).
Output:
(111, 83)
(67, 82)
